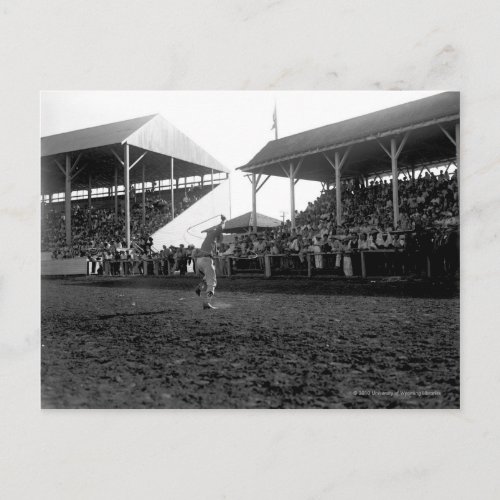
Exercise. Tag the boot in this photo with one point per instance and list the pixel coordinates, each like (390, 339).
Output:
(206, 302)
(201, 287)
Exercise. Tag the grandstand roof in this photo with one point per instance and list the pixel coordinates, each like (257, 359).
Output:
(150, 133)
(426, 144)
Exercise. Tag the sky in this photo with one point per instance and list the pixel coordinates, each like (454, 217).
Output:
(230, 125)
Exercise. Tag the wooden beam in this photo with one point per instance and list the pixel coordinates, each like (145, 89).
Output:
(138, 160)
(89, 197)
(395, 195)
(292, 197)
(143, 197)
(67, 200)
(79, 171)
(447, 134)
(254, 202)
(296, 171)
(457, 162)
(263, 182)
(116, 194)
(338, 189)
(385, 149)
(344, 157)
(126, 156)
(284, 170)
(60, 167)
(401, 145)
(172, 186)
(76, 162)
(117, 156)
(329, 160)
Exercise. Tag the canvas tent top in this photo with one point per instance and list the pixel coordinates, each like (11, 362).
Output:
(426, 143)
(243, 223)
(95, 145)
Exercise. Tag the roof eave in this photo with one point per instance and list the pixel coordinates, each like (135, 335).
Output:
(435, 121)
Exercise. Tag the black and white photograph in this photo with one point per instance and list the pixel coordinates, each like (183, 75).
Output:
(250, 249)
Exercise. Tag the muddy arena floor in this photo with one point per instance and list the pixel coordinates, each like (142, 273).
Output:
(281, 343)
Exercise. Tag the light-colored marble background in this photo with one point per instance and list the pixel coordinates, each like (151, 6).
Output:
(229, 44)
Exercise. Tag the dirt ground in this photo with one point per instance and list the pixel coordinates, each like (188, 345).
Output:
(281, 343)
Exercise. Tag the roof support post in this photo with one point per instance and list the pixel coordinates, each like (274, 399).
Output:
(126, 170)
(457, 145)
(337, 165)
(338, 189)
(395, 194)
(230, 196)
(172, 186)
(116, 193)
(254, 202)
(292, 196)
(143, 197)
(89, 192)
(212, 177)
(89, 199)
(67, 199)
(394, 153)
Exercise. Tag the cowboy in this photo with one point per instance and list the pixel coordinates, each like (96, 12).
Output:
(205, 264)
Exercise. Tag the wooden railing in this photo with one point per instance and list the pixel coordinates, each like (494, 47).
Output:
(265, 262)
(294, 263)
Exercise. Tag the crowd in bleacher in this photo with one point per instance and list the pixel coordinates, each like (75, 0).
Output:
(422, 202)
(95, 227)
(427, 206)
(428, 203)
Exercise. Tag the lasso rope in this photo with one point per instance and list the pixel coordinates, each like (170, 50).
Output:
(188, 230)
(250, 256)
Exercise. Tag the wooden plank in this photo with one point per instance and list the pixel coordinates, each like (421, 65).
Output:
(263, 182)
(115, 154)
(385, 149)
(267, 265)
(138, 160)
(447, 134)
(401, 145)
(64, 267)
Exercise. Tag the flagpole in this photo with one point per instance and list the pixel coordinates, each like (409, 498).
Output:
(275, 122)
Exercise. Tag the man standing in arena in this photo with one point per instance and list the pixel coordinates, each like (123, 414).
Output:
(205, 264)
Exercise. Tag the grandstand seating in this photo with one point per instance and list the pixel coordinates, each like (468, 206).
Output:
(92, 228)
(427, 205)
(421, 202)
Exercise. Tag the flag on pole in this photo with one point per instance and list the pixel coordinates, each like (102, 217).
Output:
(275, 122)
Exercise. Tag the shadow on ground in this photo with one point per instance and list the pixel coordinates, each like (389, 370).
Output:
(293, 286)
